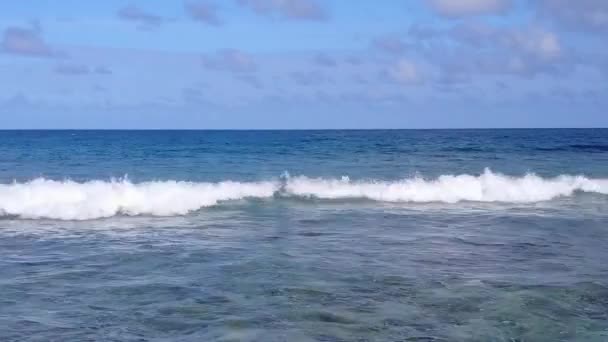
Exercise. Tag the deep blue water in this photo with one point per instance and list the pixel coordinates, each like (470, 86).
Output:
(254, 155)
(381, 235)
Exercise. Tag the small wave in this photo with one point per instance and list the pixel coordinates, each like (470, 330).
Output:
(467, 149)
(591, 148)
(69, 200)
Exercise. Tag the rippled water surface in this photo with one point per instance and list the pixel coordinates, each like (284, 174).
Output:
(372, 236)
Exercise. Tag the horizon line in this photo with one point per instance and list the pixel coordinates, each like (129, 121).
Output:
(296, 129)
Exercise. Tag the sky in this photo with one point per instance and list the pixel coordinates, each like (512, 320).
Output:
(299, 64)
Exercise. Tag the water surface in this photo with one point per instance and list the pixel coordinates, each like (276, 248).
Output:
(446, 235)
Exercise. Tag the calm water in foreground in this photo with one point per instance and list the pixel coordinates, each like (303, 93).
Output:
(447, 235)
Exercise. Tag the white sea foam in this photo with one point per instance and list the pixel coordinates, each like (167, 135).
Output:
(69, 200)
(487, 187)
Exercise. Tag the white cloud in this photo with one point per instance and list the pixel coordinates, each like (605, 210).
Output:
(389, 43)
(587, 15)
(231, 60)
(290, 9)
(474, 49)
(145, 19)
(325, 60)
(542, 44)
(406, 71)
(203, 12)
(25, 41)
(309, 78)
(463, 8)
(72, 69)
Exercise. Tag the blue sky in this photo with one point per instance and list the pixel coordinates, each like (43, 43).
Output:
(303, 64)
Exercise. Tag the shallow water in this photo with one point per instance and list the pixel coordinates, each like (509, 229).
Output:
(305, 267)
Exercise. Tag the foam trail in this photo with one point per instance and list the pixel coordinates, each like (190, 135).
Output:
(68, 200)
(487, 187)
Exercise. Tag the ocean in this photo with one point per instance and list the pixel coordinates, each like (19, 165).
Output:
(370, 235)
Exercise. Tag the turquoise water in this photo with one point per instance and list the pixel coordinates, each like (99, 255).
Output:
(440, 235)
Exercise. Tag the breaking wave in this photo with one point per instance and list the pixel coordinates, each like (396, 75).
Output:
(69, 200)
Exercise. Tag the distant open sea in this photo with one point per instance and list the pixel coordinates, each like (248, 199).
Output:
(371, 235)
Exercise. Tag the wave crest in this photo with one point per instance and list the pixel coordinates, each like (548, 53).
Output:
(487, 187)
(69, 200)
